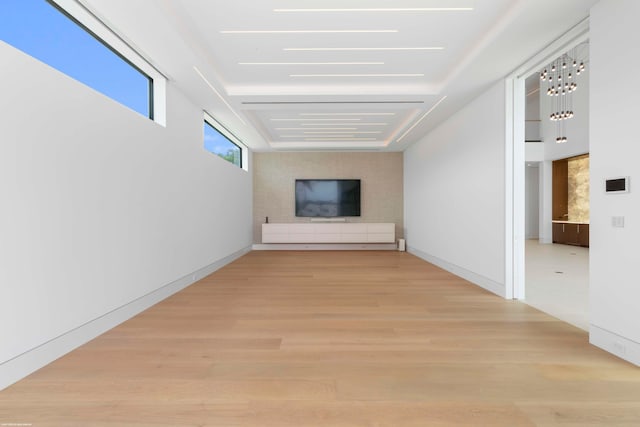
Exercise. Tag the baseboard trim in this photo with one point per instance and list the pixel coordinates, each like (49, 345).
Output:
(325, 247)
(20, 366)
(477, 279)
(615, 344)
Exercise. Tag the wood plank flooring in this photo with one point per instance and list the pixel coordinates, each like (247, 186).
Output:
(310, 339)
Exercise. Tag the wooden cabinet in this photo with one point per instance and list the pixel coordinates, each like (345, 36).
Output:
(560, 192)
(571, 233)
(558, 233)
(583, 235)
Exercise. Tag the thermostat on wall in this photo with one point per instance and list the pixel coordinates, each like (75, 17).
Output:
(617, 185)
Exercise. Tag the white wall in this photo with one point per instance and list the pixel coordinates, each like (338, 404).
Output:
(545, 188)
(532, 204)
(454, 192)
(532, 131)
(534, 152)
(614, 283)
(100, 205)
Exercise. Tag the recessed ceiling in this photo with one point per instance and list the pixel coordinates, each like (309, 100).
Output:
(337, 75)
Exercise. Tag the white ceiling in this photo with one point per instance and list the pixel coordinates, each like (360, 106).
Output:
(336, 74)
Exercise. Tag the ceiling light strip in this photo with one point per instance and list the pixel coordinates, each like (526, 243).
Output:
(340, 129)
(350, 124)
(326, 102)
(306, 31)
(533, 92)
(339, 139)
(339, 136)
(311, 63)
(310, 120)
(357, 75)
(347, 114)
(421, 119)
(218, 93)
(381, 9)
(333, 132)
(336, 138)
(322, 49)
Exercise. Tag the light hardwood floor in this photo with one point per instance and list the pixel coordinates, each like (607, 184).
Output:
(312, 339)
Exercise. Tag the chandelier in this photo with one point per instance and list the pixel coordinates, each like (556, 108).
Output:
(561, 76)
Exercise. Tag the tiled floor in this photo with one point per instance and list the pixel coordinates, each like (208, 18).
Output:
(557, 281)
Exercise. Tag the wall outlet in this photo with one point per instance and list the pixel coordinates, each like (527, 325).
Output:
(619, 348)
(617, 221)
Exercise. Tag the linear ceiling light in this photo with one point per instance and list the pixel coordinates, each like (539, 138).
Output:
(421, 119)
(350, 124)
(319, 120)
(340, 129)
(347, 114)
(357, 75)
(322, 49)
(383, 9)
(340, 135)
(218, 93)
(533, 92)
(328, 138)
(328, 102)
(310, 63)
(306, 31)
(340, 139)
(357, 132)
(293, 136)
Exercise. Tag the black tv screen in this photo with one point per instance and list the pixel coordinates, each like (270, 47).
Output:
(327, 197)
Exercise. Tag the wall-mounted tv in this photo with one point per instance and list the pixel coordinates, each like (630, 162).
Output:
(327, 197)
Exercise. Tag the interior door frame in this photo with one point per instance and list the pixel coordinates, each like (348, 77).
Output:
(515, 233)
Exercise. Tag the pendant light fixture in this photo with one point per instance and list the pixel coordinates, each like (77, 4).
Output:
(561, 76)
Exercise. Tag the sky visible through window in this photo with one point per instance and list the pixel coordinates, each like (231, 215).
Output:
(218, 144)
(40, 30)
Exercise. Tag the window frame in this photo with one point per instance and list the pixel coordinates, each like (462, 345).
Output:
(89, 21)
(222, 130)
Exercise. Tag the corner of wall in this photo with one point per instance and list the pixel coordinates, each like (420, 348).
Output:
(476, 279)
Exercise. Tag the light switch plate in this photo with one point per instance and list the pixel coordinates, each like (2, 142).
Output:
(617, 221)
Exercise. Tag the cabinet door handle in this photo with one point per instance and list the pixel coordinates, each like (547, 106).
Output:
(563, 228)
(578, 228)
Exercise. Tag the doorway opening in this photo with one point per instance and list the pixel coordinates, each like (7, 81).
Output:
(552, 277)
(557, 272)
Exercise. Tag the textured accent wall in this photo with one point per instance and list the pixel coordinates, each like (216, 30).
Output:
(578, 177)
(274, 176)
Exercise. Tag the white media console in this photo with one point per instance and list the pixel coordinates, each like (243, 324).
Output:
(329, 233)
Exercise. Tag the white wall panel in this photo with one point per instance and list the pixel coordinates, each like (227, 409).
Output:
(454, 190)
(614, 255)
(100, 205)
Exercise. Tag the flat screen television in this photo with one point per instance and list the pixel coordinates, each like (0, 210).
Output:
(327, 198)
